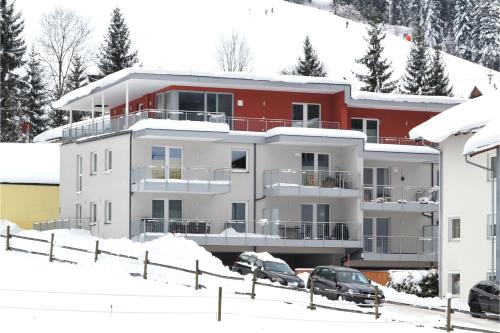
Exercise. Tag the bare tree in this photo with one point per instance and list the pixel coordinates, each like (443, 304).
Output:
(64, 35)
(233, 53)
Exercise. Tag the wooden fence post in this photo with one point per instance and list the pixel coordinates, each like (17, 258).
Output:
(254, 280)
(311, 295)
(196, 278)
(145, 275)
(7, 243)
(377, 315)
(448, 314)
(96, 250)
(51, 247)
(219, 305)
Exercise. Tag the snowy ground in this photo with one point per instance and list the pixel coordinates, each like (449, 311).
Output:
(36, 294)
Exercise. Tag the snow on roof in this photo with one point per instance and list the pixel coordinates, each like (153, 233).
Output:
(462, 118)
(323, 132)
(180, 125)
(29, 163)
(129, 73)
(486, 138)
(363, 95)
(400, 148)
(56, 132)
(264, 256)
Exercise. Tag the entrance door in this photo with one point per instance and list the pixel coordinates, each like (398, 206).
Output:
(315, 221)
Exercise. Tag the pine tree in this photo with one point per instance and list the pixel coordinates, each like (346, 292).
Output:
(462, 29)
(485, 33)
(417, 67)
(34, 96)
(310, 65)
(114, 53)
(77, 78)
(12, 49)
(438, 81)
(378, 68)
(432, 23)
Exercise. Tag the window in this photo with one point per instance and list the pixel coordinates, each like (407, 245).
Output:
(108, 162)
(93, 212)
(454, 228)
(107, 212)
(238, 216)
(79, 173)
(454, 283)
(93, 163)
(491, 226)
(167, 162)
(368, 126)
(191, 101)
(239, 161)
(140, 107)
(78, 213)
(306, 115)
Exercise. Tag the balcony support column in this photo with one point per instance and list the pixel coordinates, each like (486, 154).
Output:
(126, 105)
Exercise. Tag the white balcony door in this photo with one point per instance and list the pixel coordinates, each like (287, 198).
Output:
(368, 126)
(306, 115)
(376, 232)
(315, 167)
(272, 215)
(315, 218)
(166, 210)
(167, 162)
(376, 181)
(239, 215)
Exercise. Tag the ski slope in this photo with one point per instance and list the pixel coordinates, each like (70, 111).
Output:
(103, 295)
(181, 35)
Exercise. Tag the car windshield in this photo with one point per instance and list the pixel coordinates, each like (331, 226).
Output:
(351, 277)
(277, 267)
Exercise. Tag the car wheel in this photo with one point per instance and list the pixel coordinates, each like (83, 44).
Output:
(475, 309)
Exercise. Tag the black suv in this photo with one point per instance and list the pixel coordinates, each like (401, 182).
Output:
(349, 284)
(274, 269)
(484, 297)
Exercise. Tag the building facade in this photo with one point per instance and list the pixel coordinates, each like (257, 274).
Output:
(294, 166)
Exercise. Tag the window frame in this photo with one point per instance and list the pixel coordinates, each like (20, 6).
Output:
(364, 130)
(246, 151)
(450, 283)
(108, 212)
(93, 213)
(108, 160)
(451, 238)
(93, 163)
(246, 210)
(305, 114)
(79, 173)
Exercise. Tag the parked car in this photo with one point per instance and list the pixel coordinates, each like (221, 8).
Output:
(345, 283)
(268, 267)
(484, 297)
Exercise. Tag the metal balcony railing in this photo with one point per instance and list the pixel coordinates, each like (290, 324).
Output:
(400, 244)
(400, 194)
(292, 230)
(68, 223)
(394, 141)
(120, 123)
(162, 177)
(273, 179)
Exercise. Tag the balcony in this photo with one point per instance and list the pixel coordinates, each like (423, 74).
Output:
(401, 198)
(111, 125)
(395, 141)
(176, 179)
(289, 182)
(400, 248)
(240, 233)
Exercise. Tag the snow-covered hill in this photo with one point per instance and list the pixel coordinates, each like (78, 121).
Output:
(181, 35)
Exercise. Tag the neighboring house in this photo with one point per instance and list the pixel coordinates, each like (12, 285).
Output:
(290, 165)
(29, 182)
(467, 212)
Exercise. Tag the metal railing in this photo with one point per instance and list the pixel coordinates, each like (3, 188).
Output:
(119, 123)
(324, 179)
(400, 244)
(292, 230)
(393, 141)
(150, 177)
(400, 194)
(69, 223)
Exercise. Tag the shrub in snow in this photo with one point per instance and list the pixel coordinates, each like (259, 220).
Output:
(423, 283)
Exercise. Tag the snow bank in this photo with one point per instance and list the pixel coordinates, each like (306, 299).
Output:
(363, 95)
(36, 163)
(400, 148)
(486, 138)
(462, 118)
(316, 132)
(180, 125)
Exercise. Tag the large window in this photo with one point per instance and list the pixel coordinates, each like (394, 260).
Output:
(191, 101)
(79, 173)
(239, 160)
(306, 115)
(454, 283)
(367, 126)
(454, 227)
